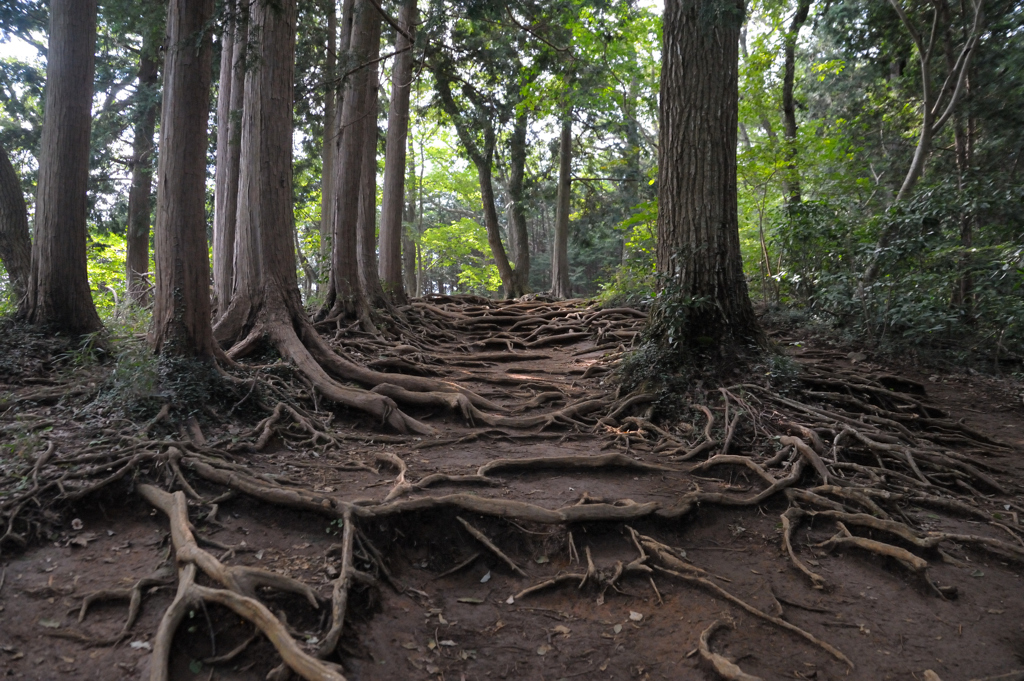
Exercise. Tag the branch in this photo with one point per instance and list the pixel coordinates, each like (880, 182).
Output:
(391, 20)
(529, 30)
(963, 62)
(915, 36)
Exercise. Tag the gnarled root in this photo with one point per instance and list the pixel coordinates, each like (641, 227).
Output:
(237, 594)
(723, 667)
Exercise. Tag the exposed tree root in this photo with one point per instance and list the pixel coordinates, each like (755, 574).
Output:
(855, 451)
(723, 667)
(237, 593)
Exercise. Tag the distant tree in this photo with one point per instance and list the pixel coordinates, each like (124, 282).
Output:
(560, 286)
(393, 200)
(139, 209)
(229, 105)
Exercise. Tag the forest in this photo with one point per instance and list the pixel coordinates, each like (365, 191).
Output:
(440, 339)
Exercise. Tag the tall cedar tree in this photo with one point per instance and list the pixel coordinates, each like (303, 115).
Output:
(58, 292)
(137, 237)
(181, 311)
(392, 202)
(366, 215)
(357, 121)
(332, 137)
(266, 303)
(15, 243)
(229, 105)
(704, 301)
(518, 236)
(328, 146)
(560, 286)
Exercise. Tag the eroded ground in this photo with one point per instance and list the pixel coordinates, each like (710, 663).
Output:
(448, 609)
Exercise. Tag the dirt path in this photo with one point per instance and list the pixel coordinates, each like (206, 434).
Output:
(448, 607)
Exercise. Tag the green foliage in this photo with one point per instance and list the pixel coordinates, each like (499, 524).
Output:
(633, 282)
(461, 249)
(132, 387)
(934, 293)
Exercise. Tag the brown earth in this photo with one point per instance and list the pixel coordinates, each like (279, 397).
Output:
(449, 616)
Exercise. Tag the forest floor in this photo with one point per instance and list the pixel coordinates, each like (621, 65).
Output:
(445, 605)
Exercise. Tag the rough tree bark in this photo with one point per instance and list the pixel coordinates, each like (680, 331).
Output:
(482, 157)
(356, 120)
(518, 237)
(139, 195)
(560, 286)
(791, 175)
(15, 243)
(229, 104)
(181, 310)
(393, 199)
(329, 147)
(366, 216)
(329, 221)
(58, 292)
(267, 303)
(704, 301)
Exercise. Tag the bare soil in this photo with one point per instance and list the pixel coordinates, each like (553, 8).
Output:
(445, 614)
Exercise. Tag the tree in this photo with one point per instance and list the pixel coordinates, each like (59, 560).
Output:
(15, 243)
(481, 153)
(560, 287)
(266, 304)
(139, 209)
(328, 146)
(392, 202)
(229, 105)
(366, 215)
(937, 107)
(703, 302)
(357, 121)
(59, 296)
(181, 309)
(518, 235)
(791, 179)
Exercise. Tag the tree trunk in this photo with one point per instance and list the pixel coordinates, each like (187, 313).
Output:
(358, 114)
(267, 303)
(482, 159)
(936, 110)
(181, 311)
(337, 135)
(509, 281)
(791, 174)
(58, 292)
(391, 231)
(408, 245)
(229, 104)
(560, 286)
(329, 147)
(704, 301)
(15, 244)
(366, 229)
(139, 196)
(518, 237)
